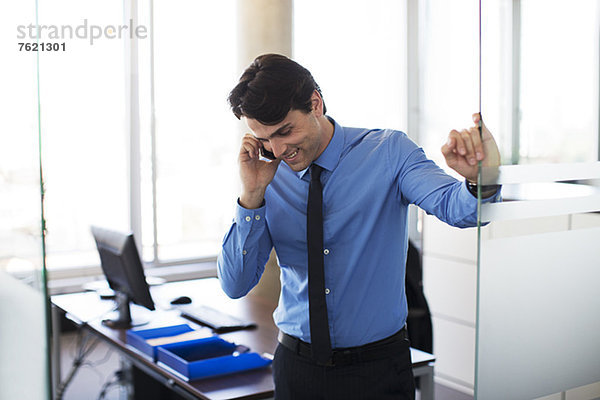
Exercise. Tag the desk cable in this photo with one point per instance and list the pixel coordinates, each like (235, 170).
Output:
(119, 379)
(83, 351)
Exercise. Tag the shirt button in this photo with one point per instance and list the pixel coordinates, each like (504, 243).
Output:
(244, 252)
(326, 251)
(327, 291)
(257, 217)
(248, 218)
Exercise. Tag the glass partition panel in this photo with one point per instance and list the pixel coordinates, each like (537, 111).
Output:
(449, 93)
(24, 332)
(538, 309)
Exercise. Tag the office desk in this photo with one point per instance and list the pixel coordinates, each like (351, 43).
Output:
(87, 310)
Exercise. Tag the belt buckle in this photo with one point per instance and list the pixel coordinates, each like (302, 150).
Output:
(341, 358)
(329, 363)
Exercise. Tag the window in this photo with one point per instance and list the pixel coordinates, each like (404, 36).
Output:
(356, 52)
(449, 70)
(196, 137)
(540, 69)
(188, 138)
(83, 133)
(559, 81)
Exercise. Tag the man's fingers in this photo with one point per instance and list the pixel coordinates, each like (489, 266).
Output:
(477, 144)
(465, 144)
(249, 150)
(449, 149)
(476, 119)
(250, 146)
(470, 149)
(457, 143)
(463, 149)
(484, 130)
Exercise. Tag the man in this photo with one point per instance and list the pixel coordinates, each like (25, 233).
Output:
(342, 308)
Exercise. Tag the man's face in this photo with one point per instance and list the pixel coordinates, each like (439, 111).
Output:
(297, 140)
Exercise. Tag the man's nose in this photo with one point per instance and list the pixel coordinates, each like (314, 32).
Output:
(277, 148)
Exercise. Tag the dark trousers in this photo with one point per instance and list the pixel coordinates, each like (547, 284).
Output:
(298, 377)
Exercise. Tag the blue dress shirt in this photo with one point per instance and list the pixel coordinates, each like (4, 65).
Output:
(369, 179)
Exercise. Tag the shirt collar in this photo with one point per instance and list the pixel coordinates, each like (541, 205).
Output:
(330, 157)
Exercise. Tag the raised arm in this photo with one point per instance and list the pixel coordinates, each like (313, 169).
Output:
(247, 244)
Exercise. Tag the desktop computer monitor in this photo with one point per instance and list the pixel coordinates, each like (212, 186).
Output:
(125, 275)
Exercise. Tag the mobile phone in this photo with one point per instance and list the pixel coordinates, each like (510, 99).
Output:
(266, 153)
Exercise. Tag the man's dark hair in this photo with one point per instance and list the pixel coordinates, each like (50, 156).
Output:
(272, 86)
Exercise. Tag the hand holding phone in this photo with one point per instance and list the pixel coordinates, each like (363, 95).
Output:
(255, 173)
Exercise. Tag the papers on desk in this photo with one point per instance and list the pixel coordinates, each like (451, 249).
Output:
(182, 337)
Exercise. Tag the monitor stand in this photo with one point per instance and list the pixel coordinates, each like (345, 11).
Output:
(123, 318)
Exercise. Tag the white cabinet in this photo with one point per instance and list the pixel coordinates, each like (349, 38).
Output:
(450, 285)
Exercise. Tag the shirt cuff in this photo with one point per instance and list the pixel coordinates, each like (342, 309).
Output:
(496, 196)
(246, 216)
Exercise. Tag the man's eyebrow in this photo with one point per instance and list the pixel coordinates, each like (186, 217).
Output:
(277, 132)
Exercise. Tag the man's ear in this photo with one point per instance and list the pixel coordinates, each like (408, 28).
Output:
(317, 103)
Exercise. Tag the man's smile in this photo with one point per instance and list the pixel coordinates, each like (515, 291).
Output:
(292, 155)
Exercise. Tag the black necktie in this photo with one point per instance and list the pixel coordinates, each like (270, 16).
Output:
(319, 327)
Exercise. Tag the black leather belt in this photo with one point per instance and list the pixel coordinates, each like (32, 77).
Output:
(346, 356)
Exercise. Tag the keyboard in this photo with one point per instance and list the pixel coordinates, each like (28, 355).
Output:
(215, 319)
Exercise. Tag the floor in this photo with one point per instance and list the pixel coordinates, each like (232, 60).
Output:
(98, 372)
